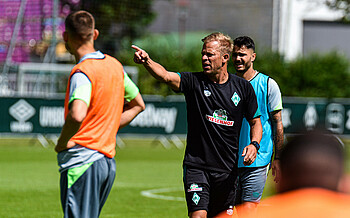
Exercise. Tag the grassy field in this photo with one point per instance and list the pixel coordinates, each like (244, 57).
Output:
(29, 181)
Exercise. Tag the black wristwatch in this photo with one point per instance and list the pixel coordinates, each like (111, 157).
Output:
(256, 144)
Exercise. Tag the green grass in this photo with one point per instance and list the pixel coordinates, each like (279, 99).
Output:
(29, 181)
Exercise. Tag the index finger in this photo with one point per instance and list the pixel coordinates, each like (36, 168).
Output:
(136, 48)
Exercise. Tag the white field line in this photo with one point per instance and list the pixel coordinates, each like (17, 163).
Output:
(155, 193)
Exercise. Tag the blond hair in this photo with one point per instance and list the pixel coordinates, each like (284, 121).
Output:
(226, 43)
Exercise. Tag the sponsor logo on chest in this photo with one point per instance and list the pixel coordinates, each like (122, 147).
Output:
(220, 117)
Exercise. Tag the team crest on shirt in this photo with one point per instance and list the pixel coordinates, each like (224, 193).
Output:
(235, 98)
(207, 93)
(194, 188)
(220, 117)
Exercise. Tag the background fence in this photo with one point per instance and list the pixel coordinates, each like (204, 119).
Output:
(167, 116)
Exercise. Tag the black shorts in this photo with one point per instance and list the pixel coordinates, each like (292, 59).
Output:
(209, 190)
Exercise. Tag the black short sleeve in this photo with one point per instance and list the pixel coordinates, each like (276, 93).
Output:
(186, 83)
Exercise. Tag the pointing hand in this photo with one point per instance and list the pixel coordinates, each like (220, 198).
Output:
(140, 55)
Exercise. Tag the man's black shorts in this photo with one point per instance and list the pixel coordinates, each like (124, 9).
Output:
(209, 190)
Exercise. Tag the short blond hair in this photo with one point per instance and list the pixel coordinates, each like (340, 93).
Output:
(226, 43)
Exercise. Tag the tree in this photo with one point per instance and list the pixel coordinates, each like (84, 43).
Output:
(116, 20)
(342, 5)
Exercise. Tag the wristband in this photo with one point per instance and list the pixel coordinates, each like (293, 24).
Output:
(256, 144)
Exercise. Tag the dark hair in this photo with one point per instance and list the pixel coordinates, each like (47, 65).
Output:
(244, 41)
(313, 159)
(80, 24)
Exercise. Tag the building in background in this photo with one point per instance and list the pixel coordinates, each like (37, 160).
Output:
(310, 26)
(331, 36)
(257, 18)
(292, 27)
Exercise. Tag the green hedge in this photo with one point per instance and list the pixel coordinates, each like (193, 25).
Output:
(315, 75)
(166, 50)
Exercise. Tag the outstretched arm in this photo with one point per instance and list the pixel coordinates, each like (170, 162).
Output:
(250, 151)
(277, 128)
(131, 110)
(156, 70)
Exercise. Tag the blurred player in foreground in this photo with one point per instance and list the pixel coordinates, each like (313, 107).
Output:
(252, 178)
(312, 167)
(216, 101)
(93, 114)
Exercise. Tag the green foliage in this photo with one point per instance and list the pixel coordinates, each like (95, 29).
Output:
(168, 51)
(315, 75)
(318, 75)
(117, 20)
(340, 5)
(274, 65)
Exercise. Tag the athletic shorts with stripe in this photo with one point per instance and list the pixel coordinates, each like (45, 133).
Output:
(251, 183)
(85, 189)
(209, 190)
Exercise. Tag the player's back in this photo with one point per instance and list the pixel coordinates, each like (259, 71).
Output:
(101, 124)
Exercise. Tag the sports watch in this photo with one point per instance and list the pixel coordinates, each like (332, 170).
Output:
(256, 144)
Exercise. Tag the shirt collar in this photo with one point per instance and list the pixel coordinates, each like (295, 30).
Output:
(92, 55)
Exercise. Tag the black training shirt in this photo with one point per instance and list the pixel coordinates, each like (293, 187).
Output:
(214, 119)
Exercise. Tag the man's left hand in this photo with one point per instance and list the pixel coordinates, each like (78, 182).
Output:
(249, 154)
